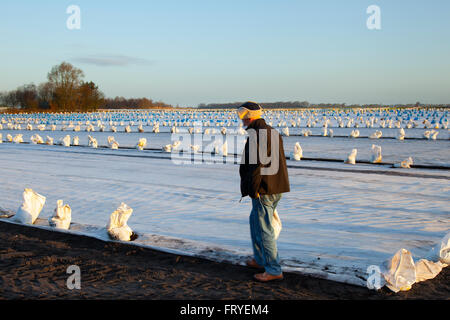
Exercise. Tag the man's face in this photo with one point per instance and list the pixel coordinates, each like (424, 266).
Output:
(246, 122)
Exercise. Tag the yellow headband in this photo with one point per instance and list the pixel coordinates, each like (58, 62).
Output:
(244, 113)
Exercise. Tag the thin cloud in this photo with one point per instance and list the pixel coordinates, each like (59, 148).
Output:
(112, 60)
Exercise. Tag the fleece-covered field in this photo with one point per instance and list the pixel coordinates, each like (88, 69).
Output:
(338, 219)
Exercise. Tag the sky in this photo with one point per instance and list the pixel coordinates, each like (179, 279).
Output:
(190, 52)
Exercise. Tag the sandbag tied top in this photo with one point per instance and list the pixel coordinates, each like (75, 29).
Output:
(298, 152)
(18, 138)
(62, 217)
(444, 249)
(66, 141)
(113, 143)
(31, 207)
(401, 271)
(351, 159)
(117, 227)
(441, 251)
(376, 154)
(404, 164)
(141, 144)
(92, 142)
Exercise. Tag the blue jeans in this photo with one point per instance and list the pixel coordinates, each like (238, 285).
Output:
(263, 239)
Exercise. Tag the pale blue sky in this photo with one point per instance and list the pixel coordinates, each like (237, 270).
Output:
(189, 52)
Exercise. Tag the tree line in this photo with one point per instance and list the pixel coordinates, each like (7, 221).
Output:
(306, 104)
(135, 103)
(65, 90)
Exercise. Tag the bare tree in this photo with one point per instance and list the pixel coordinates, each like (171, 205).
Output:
(65, 80)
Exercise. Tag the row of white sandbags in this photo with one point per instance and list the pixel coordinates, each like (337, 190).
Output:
(33, 203)
(326, 132)
(401, 272)
(297, 155)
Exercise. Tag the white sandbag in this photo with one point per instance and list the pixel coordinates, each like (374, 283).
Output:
(330, 133)
(216, 149)
(36, 139)
(298, 152)
(276, 224)
(224, 149)
(376, 154)
(400, 271)
(113, 143)
(1, 138)
(62, 216)
(444, 249)
(376, 135)
(167, 148)
(92, 142)
(30, 208)
(441, 251)
(351, 159)
(354, 134)
(76, 141)
(176, 145)
(117, 227)
(141, 144)
(306, 133)
(426, 269)
(18, 138)
(49, 141)
(65, 141)
(401, 134)
(241, 131)
(404, 164)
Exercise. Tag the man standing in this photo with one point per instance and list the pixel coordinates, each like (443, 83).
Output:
(264, 178)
